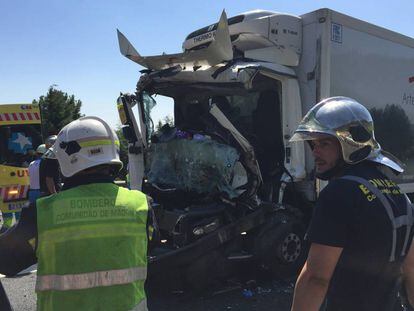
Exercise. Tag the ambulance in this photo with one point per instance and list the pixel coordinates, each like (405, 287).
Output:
(20, 134)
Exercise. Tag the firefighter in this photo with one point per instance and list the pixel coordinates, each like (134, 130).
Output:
(92, 236)
(50, 179)
(361, 229)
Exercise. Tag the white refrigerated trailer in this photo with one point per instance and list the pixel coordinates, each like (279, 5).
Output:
(345, 56)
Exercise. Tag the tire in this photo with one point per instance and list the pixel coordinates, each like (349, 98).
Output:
(280, 247)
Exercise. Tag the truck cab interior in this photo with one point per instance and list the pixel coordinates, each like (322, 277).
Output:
(256, 114)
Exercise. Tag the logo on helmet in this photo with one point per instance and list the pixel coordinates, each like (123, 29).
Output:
(70, 147)
(95, 151)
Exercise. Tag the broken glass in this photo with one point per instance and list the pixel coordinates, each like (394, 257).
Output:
(199, 164)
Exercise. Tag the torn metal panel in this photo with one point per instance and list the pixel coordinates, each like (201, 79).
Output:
(220, 50)
(239, 72)
(249, 156)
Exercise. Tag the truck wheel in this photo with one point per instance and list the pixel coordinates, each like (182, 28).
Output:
(281, 248)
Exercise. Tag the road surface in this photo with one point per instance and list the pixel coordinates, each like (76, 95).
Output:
(234, 296)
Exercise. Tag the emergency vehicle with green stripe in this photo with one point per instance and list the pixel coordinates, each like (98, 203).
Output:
(20, 134)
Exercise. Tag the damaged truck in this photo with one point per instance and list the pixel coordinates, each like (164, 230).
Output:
(227, 185)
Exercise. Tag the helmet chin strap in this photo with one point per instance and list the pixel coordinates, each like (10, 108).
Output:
(334, 171)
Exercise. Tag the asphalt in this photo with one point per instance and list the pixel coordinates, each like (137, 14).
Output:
(246, 296)
(20, 289)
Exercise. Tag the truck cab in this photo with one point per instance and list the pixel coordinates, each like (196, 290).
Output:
(224, 178)
(226, 182)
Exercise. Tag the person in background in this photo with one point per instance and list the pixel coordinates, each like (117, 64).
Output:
(34, 177)
(50, 179)
(92, 235)
(361, 230)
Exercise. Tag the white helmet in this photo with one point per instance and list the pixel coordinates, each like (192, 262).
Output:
(85, 143)
(41, 149)
(49, 154)
(352, 124)
(50, 140)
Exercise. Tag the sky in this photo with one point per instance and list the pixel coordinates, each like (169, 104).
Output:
(73, 44)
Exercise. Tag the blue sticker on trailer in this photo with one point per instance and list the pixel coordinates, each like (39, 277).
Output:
(336, 33)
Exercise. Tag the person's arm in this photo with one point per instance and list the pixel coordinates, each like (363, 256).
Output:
(408, 274)
(313, 281)
(51, 168)
(50, 184)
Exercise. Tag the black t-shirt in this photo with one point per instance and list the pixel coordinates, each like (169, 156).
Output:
(348, 215)
(49, 168)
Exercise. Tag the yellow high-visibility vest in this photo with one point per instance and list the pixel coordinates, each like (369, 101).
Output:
(92, 249)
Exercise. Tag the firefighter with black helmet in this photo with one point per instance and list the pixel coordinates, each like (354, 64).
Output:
(361, 230)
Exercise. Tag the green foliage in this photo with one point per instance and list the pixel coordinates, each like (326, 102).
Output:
(167, 120)
(393, 130)
(58, 109)
(124, 143)
(123, 154)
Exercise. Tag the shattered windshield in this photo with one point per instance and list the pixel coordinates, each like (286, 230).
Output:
(199, 164)
(195, 153)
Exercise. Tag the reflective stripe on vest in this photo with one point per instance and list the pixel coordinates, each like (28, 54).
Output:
(397, 222)
(142, 306)
(79, 233)
(90, 280)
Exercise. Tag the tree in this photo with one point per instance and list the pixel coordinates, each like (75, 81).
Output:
(57, 109)
(393, 130)
(123, 154)
(167, 120)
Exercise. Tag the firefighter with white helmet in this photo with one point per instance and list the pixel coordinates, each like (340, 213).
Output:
(92, 236)
(41, 149)
(50, 177)
(50, 141)
(361, 229)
